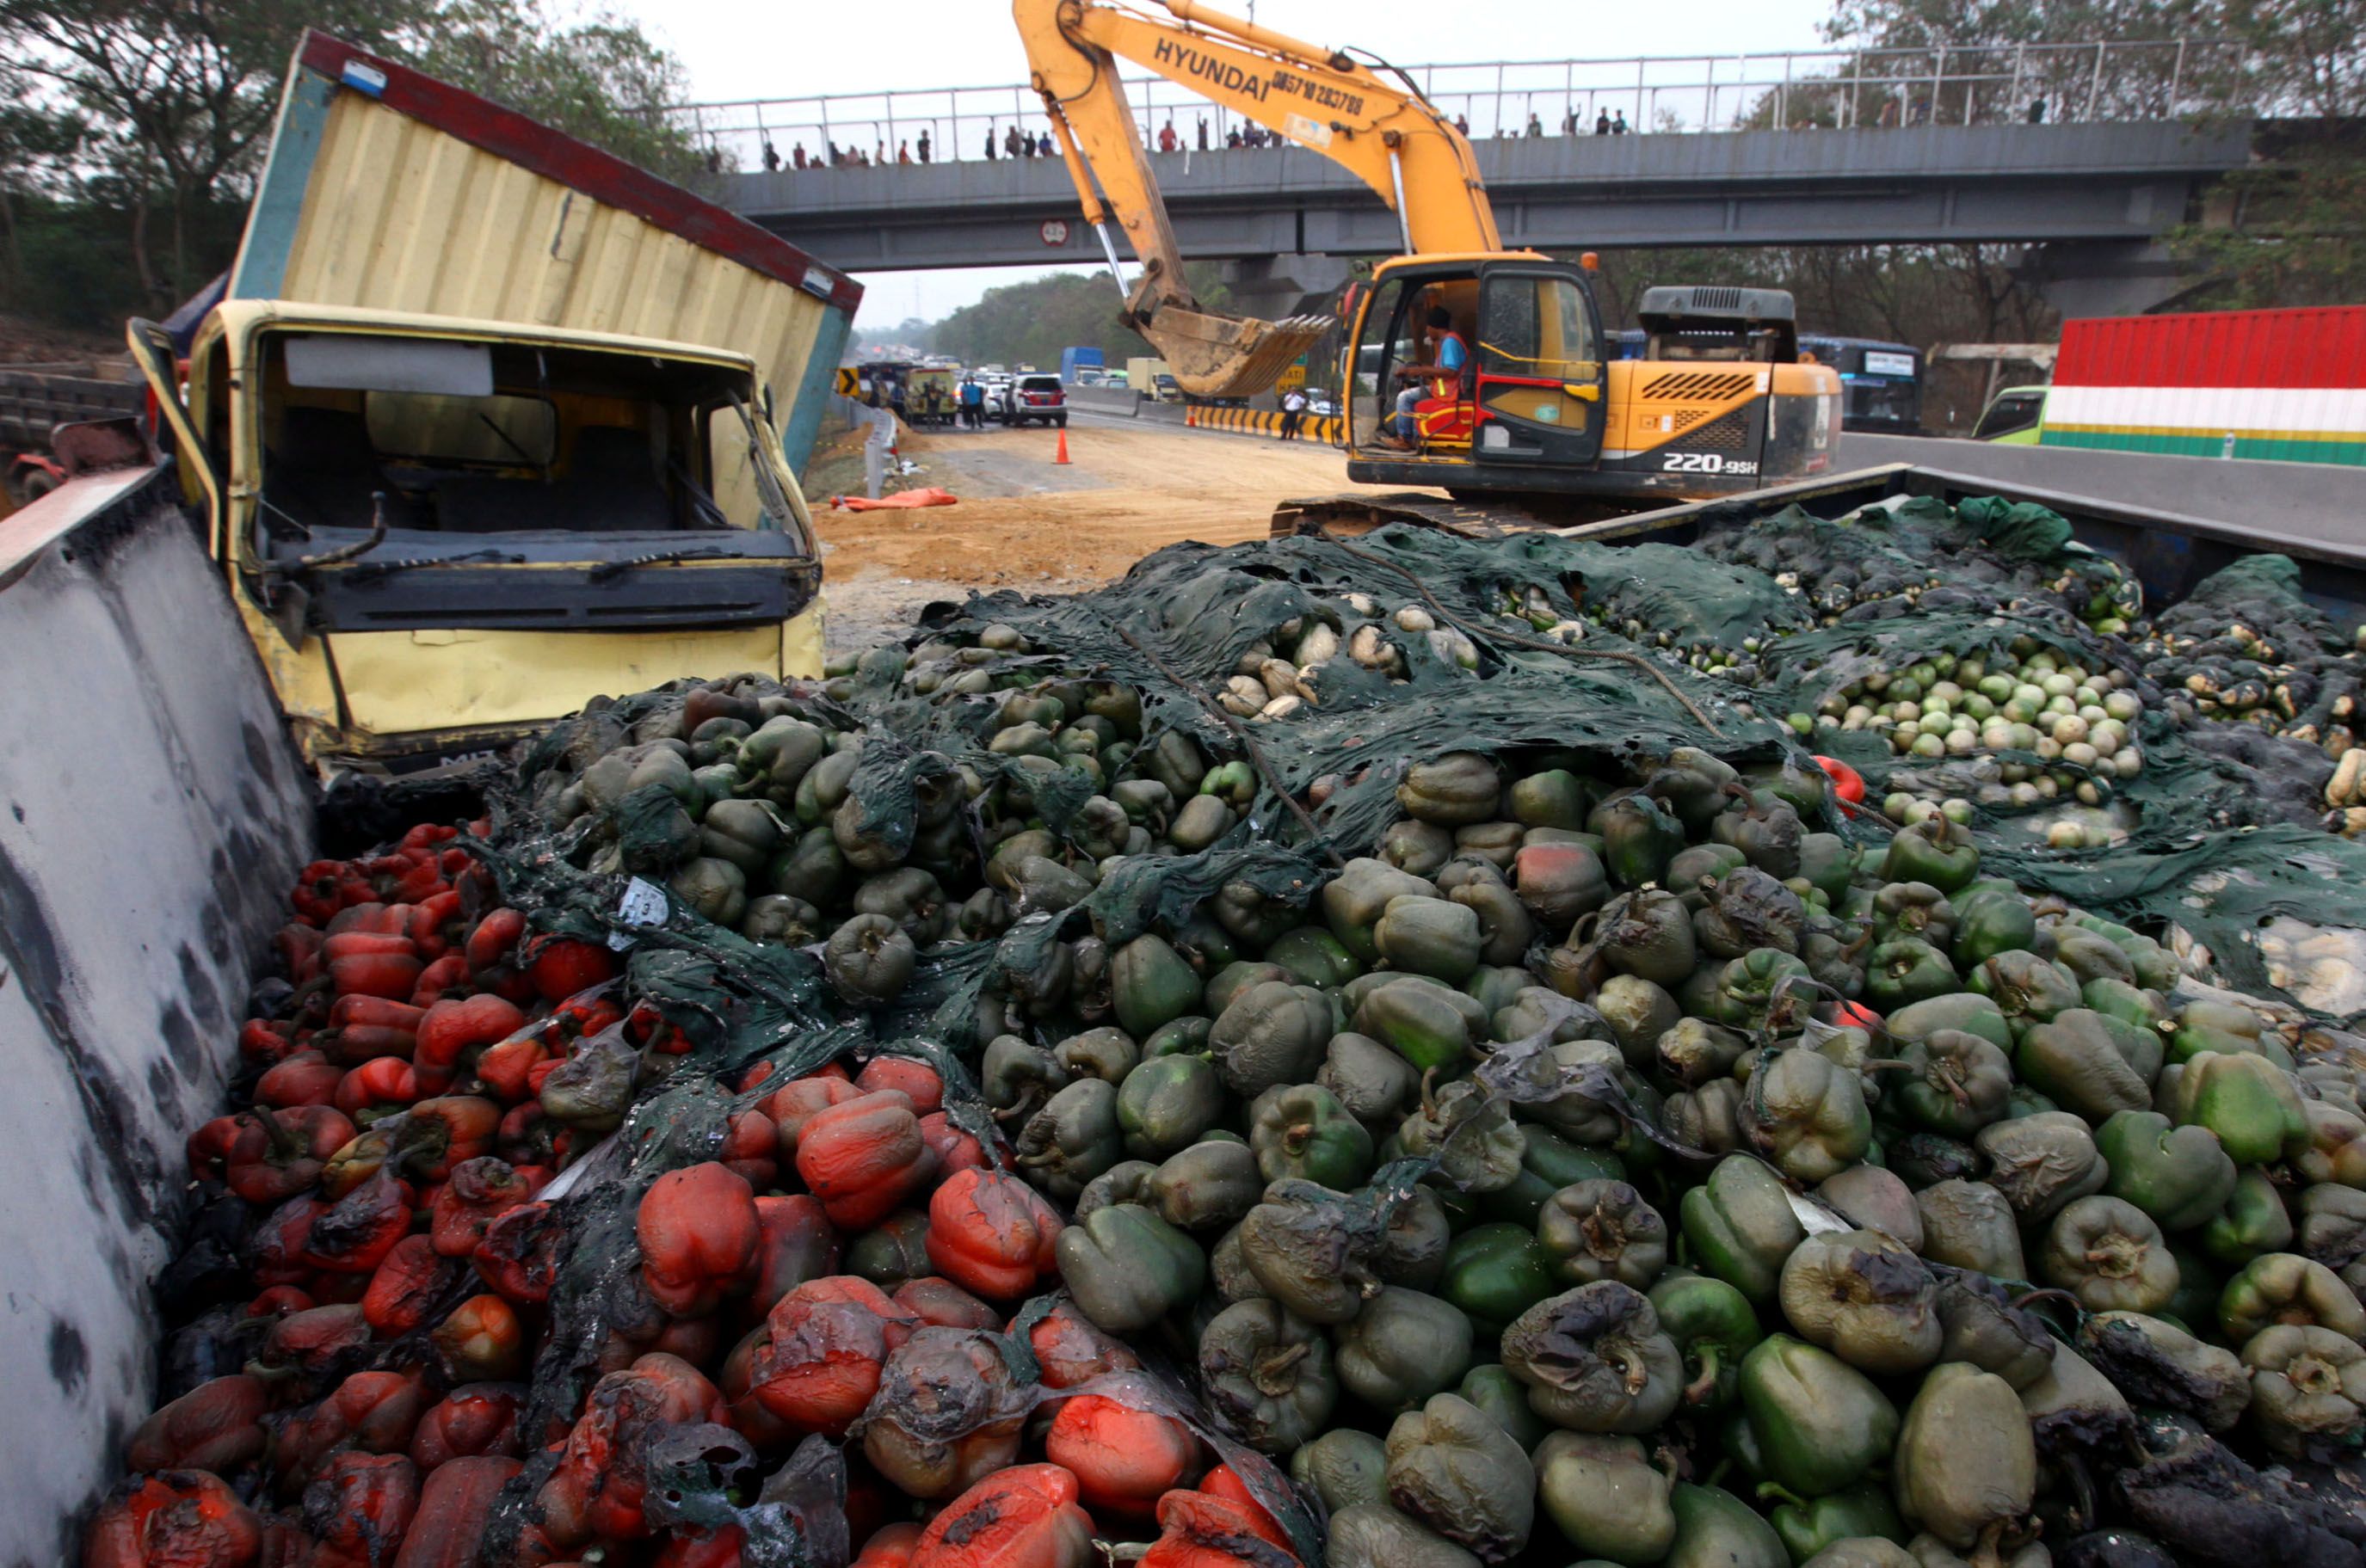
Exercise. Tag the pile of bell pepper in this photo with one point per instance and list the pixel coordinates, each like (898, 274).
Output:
(1613, 1161)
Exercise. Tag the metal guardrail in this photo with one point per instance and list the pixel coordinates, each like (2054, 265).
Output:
(2103, 80)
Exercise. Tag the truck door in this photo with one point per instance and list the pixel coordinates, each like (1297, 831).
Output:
(1540, 372)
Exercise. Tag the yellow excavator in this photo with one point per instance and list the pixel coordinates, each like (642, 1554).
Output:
(1472, 368)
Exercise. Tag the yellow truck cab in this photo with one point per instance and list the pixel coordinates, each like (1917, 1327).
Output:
(441, 535)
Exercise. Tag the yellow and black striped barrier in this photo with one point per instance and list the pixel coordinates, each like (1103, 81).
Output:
(1328, 429)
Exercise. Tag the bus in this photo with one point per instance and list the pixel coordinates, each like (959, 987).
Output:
(1881, 383)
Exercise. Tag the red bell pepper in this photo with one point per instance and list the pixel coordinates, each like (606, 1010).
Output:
(304, 1344)
(359, 1507)
(493, 940)
(354, 1235)
(994, 1233)
(794, 1104)
(480, 1191)
(750, 1146)
(446, 976)
(695, 1546)
(793, 1243)
(889, 1548)
(370, 1412)
(443, 1132)
(372, 964)
(698, 1233)
(513, 1069)
(1124, 1460)
(1026, 1517)
(474, 1420)
(864, 1159)
(828, 1341)
(456, 1504)
(561, 965)
(437, 926)
(376, 1089)
(362, 1027)
(455, 1032)
(278, 1300)
(296, 950)
(481, 1341)
(305, 1078)
(955, 1149)
(1847, 782)
(372, 918)
(410, 1281)
(598, 1488)
(918, 1080)
(945, 1305)
(1070, 1348)
(1199, 1529)
(1226, 1482)
(519, 1256)
(766, 1431)
(178, 1519)
(528, 1137)
(216, 1425)
(268, 1156)
(266, 1040)
(280, 1241)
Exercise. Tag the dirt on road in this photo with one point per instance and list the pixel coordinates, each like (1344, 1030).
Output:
(1024, 523)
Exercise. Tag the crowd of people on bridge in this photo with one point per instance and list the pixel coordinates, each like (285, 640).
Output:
(1017, 141)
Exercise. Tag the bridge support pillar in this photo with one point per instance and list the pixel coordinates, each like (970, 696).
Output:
(2102, 278)
(1274, 287)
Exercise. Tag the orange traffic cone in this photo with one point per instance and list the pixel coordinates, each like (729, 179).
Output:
(1062, 457)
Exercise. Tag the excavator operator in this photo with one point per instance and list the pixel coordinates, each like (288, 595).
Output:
(1443, 373)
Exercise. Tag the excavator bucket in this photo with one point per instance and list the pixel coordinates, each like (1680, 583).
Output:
(1229, 356)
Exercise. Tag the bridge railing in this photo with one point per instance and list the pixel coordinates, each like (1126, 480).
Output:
(1797, 90)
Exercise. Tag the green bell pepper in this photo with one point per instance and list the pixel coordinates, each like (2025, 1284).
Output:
(1071, 1139)
(2110, 1254)
(1472, 1134)
(1451, 1467)
(1354, 901)
(1639, 837)
(2247, 1101)
(1966, 1466)
(1609, 1500)
(1451, 790)
(1990, 921)
(1916, 910)
(2286, 1288)
(1151, 985)
(1717, 1530)
(1713, 1328)
(2075, 1061)
(1549, 1162)
(1807, 1114)
(1864, 1297)
(1372, 1082)
(2027, 988)
(1968, 1224)
(2179, 1175)
(1166, 1102)
(1955, 1082)
(1905, 971)
(1315, 1251)
(1208, 1186)
(2308, 1390)
(1600, 1230)
(1808, 1525)
(1741, 1226)
(1343, 1467)
(1127, 1268)
(1552, 797)
(1272, 1032)
(1594, 1360)
(2089, 955)
(2042, 1161)
(1965, 1010)
(1302, 1129)
(1403, 1347)
(1942, 854)
(1431, 1026)
(1498, 1392)
(1422, 936)
(1268, 1376)
(1818, 1423)
(2254, 1221)
(1495, 1272)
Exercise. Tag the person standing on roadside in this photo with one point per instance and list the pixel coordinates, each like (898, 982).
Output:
(923, 146)
(1293, 409)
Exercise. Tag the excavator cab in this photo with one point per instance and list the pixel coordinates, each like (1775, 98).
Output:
(1525, 410)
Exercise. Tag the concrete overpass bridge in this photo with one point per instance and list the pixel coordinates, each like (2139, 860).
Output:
(1911, 147)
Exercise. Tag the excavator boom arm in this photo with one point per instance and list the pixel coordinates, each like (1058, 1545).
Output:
(1387, 134)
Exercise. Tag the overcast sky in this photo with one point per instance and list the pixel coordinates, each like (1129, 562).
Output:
(795, 48)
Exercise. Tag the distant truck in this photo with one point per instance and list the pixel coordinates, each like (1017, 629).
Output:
(2283, 385)
(40, 406)
(1151, 379)
(1075, 360)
